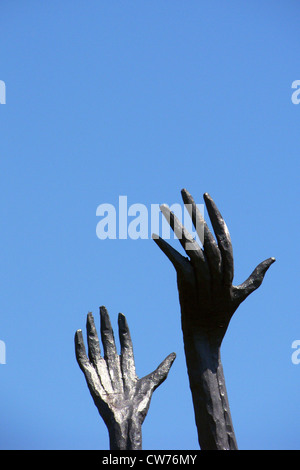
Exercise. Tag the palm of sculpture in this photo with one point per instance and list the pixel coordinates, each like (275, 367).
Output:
(208, 300)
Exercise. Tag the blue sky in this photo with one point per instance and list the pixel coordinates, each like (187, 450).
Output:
(143, 99)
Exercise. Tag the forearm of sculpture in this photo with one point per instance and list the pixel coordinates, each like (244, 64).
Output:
(227, 415)
(207, 383)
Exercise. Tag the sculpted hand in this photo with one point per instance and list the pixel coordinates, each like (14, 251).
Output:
(121, 397)
(208, 299)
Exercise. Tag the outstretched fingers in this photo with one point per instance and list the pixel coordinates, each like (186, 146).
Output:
(107, 335)
(191, 247)
(91, 376)
(223, 238)
(159, 375)
(110, 351)
(211, 249)
(179, 262)
(253, 282)
(127, 357)
(92, 338)
(80, 351)
(186, 240)
(94, 353)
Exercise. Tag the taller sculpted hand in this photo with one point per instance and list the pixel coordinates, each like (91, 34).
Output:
(208, 300)
(121, 397)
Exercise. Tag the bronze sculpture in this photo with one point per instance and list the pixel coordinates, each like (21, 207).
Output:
(121, 398)
(208, 299)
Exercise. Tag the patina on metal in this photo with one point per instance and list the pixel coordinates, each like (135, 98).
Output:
(121, 398)
(208, 299)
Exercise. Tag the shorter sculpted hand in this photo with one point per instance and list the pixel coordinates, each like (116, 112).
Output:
(121, 397)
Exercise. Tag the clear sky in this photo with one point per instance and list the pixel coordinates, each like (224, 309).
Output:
(141, 99)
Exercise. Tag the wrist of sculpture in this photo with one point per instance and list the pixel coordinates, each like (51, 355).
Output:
(125, 435)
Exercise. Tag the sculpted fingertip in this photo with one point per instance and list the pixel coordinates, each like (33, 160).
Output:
(104, 318)
(187, 197)
(270, 261)
(163, 207)
(122, 320)
(79, 338)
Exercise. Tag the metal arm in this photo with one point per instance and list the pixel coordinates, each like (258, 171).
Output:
(208, 299)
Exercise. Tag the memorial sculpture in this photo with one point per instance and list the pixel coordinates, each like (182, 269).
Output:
(208, 300)
(121, 398)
